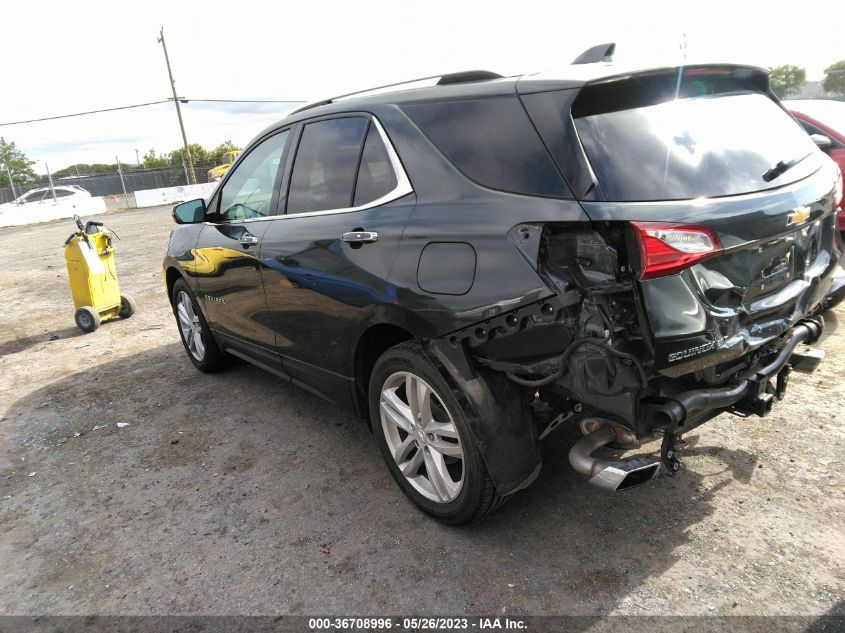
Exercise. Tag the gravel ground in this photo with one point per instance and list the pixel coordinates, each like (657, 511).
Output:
(224, 493)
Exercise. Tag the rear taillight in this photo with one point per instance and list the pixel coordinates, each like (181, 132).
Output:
(837, 194)
(666, 249)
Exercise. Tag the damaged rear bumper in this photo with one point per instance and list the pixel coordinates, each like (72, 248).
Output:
(754, 392)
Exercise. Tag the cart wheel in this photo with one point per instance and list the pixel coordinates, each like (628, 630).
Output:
(127, 306)
(87, 319)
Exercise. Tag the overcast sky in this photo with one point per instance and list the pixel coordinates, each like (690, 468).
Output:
(64, 57)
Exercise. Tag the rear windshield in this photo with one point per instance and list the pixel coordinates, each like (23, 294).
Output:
(697, 146)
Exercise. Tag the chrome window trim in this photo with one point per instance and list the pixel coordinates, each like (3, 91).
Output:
(403, 188)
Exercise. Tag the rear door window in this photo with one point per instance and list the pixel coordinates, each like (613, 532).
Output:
(699, 146)
(375, 174)
(492, 142)
(326, 164)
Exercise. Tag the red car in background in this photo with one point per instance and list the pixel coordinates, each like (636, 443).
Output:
(825, 117)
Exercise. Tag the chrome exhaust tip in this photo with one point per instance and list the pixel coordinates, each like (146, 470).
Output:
(610, 475)
(627, 474)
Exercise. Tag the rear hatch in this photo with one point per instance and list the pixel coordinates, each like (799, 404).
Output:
(728, 201)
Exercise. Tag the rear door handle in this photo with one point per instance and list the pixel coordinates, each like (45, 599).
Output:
(248, 239)
(358, 237)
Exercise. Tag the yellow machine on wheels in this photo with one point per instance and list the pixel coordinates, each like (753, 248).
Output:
(89, 256)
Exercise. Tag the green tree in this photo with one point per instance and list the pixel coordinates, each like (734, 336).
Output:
(198, 154)
(16, 162)
(153, 160)
(834, 78)
(786, 80)
(216, 155)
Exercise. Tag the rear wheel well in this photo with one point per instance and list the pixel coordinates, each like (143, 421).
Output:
(372, 344)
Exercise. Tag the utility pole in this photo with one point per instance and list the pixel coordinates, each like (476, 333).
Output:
(178, 109)
(137, 160)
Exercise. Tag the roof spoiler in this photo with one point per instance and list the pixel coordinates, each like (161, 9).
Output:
(595, 54)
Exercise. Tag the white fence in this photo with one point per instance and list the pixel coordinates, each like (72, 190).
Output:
(50, 209)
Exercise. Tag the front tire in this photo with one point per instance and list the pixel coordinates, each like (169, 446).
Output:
(425, 439)
(196, 336)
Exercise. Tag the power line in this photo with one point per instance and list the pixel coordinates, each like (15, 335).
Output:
(245, 100)
(67, 116)
(142, 105)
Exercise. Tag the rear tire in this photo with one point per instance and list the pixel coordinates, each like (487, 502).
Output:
(425, 439)
(196, 336)
(127, 306)
(87, 319)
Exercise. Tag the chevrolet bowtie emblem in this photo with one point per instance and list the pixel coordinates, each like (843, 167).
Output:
(798, 216)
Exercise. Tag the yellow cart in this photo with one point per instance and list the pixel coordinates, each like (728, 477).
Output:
(89, 256)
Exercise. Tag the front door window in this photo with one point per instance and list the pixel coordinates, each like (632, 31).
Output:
(248, 193)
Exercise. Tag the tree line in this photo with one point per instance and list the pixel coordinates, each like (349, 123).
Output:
(787, 81)
(14, 161)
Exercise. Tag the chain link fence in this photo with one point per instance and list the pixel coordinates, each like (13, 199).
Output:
(112, 183)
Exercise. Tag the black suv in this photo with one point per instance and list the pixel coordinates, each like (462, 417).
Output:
(469, 263)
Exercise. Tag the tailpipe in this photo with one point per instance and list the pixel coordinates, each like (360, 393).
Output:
(610, 475)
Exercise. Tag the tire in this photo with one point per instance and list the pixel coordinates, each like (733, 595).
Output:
(421, 448)
(87, 319)
(196, 336)
(127, 306)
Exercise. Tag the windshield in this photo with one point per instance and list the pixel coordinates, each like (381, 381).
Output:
(705, 146)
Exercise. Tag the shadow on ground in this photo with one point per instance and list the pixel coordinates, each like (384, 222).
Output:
(223, 493)
(21, 344)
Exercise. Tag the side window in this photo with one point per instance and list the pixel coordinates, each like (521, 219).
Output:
(323, 174)
(61, 193)
(375, 175)
(492, 142)
(249, 190)
(35, 196)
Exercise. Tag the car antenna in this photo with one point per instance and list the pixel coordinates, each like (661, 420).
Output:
(595, 54)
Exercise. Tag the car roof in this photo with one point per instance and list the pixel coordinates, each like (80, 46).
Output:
(480, 84)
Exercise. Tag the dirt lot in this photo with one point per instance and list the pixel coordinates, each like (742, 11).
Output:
(219, 494)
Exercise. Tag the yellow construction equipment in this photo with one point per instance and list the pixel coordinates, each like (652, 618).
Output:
(89, 256)
(217, 173)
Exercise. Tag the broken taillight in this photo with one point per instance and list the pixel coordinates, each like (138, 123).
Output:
(666, 249)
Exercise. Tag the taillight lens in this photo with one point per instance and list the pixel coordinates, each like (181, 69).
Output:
(666, 249)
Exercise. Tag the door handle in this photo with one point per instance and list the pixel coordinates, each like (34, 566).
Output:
(248, 239)
(359, 237)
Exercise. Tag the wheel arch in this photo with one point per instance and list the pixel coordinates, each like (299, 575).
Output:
(171, 275)
(382, 328)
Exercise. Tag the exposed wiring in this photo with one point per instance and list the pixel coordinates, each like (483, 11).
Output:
(564, 358)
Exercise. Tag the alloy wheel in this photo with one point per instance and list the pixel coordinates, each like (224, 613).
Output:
(422, 437)
(190, 326)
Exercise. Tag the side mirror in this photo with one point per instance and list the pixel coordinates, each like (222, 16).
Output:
(821, 141)
(190, 212)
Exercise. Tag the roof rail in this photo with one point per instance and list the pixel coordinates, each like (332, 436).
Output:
(448, 79)
(599, 53)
